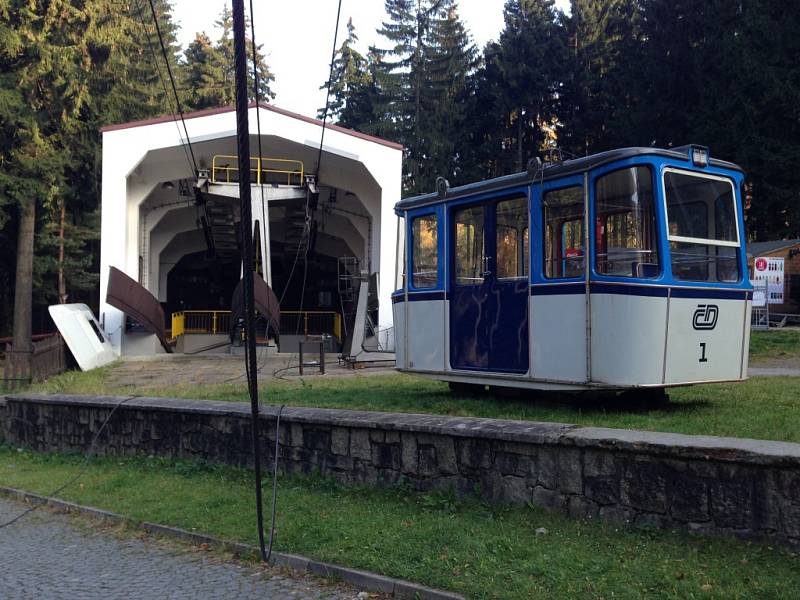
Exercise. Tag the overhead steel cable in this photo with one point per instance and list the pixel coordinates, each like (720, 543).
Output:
(264, 223)
(172, 82)
(328, 92)
(140, 20)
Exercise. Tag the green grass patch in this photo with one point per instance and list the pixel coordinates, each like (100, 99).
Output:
(460, 545)
(761, 408)
(780, 344)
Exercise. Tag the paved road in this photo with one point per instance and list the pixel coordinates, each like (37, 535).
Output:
(48, 556)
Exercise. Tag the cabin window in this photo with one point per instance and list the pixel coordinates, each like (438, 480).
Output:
(511, 236)
(563, 218)
(626, 244)
(703, 230)
(425, 254)
(469, 256)
(400, 260)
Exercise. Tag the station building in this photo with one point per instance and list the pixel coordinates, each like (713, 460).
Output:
(322, 220)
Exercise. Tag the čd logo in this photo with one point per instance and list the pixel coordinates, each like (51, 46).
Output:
(705, 317)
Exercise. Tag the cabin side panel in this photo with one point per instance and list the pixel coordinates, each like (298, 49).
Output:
(558, 337)
(628, 334)
(705, 339)
(426, 339)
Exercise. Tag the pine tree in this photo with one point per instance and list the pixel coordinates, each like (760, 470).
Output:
(602, 100)
(445, 117)
(137, 90)
(349, 75)
(521, 80)
(403, 77)
(50, 54)
(205, 75)
(225, 48)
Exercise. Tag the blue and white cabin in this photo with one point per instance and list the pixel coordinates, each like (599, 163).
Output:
(502, 282)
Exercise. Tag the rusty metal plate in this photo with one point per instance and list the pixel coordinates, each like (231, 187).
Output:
(130, 297)
(266, 302)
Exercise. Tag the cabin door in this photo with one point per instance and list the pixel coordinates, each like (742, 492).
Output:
(489, 285)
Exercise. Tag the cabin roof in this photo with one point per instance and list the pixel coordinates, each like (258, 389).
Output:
(760, 248)
(553, 171)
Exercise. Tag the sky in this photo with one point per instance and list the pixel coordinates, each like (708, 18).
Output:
(297, 37)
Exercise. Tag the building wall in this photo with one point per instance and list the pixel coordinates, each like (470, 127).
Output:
(791, 290)
(138, 158)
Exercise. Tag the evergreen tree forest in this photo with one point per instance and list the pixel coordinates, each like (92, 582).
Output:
(605, 74)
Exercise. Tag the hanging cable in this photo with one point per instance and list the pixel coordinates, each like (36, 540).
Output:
(264, 224)
(140, 20)
(243, 140)
(328, 92)
(172, 81)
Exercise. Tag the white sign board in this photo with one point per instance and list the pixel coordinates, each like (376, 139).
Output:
(759, 293)
(770, 269)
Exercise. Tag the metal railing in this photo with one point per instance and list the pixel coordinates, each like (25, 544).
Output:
(225, 169)
(293, 322)
(310, 322)
(201, 321)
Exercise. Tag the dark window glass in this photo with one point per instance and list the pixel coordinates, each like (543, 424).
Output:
(701, 215)
(469, 258)
(626, 243)
(425, 255)
(512, 237)
(562, 212)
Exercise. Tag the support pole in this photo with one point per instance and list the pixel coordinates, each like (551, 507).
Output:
(243, 139)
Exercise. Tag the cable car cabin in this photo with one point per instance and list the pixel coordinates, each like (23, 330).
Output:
(502, 282)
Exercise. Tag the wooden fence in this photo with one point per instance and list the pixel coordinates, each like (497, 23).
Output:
(47, 359)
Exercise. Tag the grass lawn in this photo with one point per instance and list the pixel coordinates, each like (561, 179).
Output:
(762, 408)
(781, 344)
(460, 545)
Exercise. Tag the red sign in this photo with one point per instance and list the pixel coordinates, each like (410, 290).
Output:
(761, 264)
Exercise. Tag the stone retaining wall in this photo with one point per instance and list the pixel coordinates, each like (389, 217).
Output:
(748, 488)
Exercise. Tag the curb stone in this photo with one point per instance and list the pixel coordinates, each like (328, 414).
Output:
(365, 580)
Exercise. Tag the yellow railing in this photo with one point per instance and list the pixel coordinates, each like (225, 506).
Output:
(310, 322)
(293, 322)
(225, 169)
(201, 321)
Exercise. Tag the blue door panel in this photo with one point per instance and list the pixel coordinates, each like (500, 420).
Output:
(488, 320)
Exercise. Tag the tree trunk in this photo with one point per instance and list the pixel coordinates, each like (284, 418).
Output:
(23, 289)
(62, 284)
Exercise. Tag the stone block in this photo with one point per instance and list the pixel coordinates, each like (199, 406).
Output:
(296, 435)
(445, 452)
(515, 490)
(548, 499)
(518, 465)
(428, 461)
(731, 503)
(570, 472)
(360, 446)
(687, 497)
(386, 456)
(474, 453)
(643, 485)
(579, 507)
(547, 467)
(791, 519)
(340, 441)
(602, 490)
(317, 439)
(377, 435)
(409, 453)
(598, 463)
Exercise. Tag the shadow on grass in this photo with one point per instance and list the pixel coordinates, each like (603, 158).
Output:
(585, 403)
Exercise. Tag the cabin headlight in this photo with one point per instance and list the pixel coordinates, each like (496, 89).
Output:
(699, 156)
